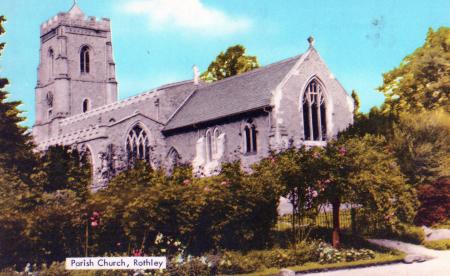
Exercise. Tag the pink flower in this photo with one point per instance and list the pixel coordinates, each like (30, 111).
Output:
(95, 214)
(137, 253)
(94, 223)
(118, 244)
(316, 154)
(206, 189)
(224, 183)
(314, 193)
(187, 182)
(327, 181)
(342, 151)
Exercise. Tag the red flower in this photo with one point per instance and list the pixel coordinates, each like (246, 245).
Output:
(137, 253)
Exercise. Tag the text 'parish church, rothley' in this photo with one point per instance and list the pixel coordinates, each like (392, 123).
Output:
(293, 102)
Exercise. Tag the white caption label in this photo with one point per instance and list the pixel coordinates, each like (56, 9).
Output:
(94, 263)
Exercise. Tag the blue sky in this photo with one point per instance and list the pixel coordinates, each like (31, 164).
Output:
(158, 41)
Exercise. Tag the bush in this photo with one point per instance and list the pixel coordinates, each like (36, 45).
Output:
(231, 211)
(195, 266)
(434, 202)
(328, 254)
(406, 233)
(235, 263)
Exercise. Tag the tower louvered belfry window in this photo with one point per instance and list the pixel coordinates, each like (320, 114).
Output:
(314, 112)
(84, 60)
(138, 145)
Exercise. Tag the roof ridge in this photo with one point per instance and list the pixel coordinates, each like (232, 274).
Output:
(254, 71)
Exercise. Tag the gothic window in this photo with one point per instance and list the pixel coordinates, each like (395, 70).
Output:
(84, 60)
(85, 105)
(215, 146)
(138, 145)
(173, 159)
(51, 62)
(250, 138)
(49, 99)
(314, 112)
(209, 146)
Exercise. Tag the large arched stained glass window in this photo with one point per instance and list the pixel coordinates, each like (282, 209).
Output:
(314, 113)
(138, 145)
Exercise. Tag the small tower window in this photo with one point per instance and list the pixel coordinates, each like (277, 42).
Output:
(250, 138)
(84, 60)
(51, 60)
(314, 113)
(85, 105)
(49, 99)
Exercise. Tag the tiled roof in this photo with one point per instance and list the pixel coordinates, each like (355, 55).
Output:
(233, 95)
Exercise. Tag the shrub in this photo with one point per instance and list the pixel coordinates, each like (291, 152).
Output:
(407, 233)
(328, 254)
(195, 266)
(434, 202)
(234, 262)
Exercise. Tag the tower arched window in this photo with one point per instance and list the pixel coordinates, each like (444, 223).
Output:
(84, 60)
(209, 146)
(51, 63)
(138, 145)
(85, 105)
(314, 112)
(251, 140)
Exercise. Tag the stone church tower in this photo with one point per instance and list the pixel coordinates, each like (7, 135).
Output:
(76, 71)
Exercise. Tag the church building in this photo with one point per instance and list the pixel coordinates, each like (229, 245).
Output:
(293, 102)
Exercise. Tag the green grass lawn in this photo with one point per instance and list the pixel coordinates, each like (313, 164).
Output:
(380, 258)
(438, 245)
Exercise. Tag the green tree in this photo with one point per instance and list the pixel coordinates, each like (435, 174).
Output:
(15, 142)
(61, 167)
(233, 62)
(421, 145)
(362, 171)
(297, 171)
(422, 80)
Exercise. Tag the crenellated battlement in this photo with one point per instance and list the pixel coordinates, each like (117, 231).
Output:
(67, 19)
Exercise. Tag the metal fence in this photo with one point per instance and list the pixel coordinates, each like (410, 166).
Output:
(323, 219)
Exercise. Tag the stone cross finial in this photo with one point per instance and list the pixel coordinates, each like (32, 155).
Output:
(196, 74)
(311, 41)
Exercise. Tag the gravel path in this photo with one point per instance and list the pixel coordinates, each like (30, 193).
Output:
(437, 266)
